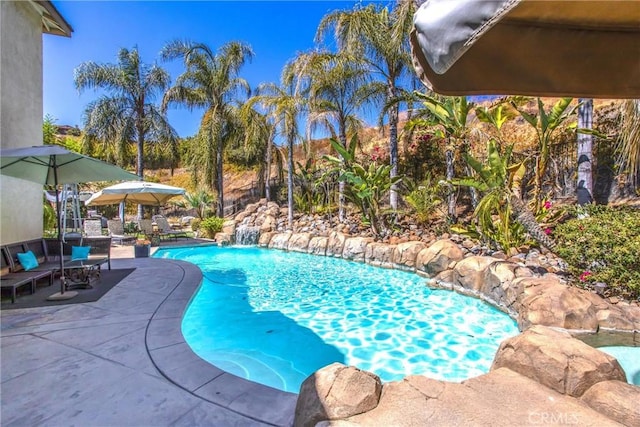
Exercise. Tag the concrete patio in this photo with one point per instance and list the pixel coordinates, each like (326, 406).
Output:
(122, 361)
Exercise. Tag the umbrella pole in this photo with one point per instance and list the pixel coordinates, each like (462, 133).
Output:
(62, 295)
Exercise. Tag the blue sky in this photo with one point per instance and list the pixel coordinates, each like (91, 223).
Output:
(276, 30)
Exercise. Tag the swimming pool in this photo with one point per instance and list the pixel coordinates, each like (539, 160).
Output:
(275, 317)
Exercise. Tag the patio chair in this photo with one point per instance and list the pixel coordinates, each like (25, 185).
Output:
(116, 231)
(92, 227)
(166, 229)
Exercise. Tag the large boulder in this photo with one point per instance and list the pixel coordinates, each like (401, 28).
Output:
(557, 360)
(223, 239)
(336, 392)
(265, 239)
(438, 257)
(497, 281)
(318, 245)
(269, 223)
(299, 242)
(355, 248)
(404, 257)
(617, 400)
(335, 245)
(546, 301)
(380, 254)
(469, 273)
(280, 241)
(229, 227)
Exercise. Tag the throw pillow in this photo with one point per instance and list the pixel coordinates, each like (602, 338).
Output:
(27, 260)
(80, 252)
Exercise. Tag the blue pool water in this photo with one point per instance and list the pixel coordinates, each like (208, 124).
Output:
(629, 359)
(276, 317)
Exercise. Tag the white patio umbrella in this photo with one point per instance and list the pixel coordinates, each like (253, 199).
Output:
(588, 49)
(139, 192)
(55, 165)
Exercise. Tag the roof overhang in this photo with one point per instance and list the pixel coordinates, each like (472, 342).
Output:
(52, 20)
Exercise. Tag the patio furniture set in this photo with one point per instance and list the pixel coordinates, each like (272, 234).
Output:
(26, 263)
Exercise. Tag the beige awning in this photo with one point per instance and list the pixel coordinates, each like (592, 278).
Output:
(585, 49)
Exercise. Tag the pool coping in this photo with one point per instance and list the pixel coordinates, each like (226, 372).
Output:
(176, 361)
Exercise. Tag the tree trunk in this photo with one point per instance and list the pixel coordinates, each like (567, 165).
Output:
(585, 152)
(451, 199)
(341, 184)
(525, 217)
(290, 177)
(140, 162)
(220, 178)
(267, 183)
(393, 149)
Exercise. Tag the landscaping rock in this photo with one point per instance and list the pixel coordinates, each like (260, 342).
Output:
(223, 239)
(617, 400)
(335, 245)
(469, 272)
(280, 241)
(355, 248)
(336, 392)
(405, 254)
(380, 254)
(545, 301)
(265, 239)
(299, 242)
(438, 257)
(318, 245)
(557, 360)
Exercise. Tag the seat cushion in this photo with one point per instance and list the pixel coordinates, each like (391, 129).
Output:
(27, 260)
(80, 252)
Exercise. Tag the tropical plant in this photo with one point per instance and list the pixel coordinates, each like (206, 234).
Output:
(629, 140)
(200, 201)
(545, 124)
(366, 185)
(336, 87)
(450, 114)
(307, 197)
(127, 112)
(498, 158)
(210, 81)
(425, 199)
(378, 37)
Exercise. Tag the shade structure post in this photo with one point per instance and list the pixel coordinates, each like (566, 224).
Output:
(62, 295)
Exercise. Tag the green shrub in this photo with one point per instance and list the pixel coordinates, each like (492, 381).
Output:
(425, 199)
(602, 244)
(195, 224)
(211, 226)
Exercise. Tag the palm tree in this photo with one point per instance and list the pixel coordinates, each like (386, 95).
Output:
(379, 38)
(210, 81)
(284, 104)
(336, 86)
(127, 113)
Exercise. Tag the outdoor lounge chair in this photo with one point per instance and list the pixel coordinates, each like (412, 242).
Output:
(116, 231)
(146, 226)
(92, 227)
(166, 229)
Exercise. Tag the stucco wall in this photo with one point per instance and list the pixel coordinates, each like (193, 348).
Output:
(20, 115)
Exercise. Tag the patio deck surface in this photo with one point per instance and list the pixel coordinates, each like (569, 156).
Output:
(122, 361)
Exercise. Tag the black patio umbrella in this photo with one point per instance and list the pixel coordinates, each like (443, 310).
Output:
(54, 165)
